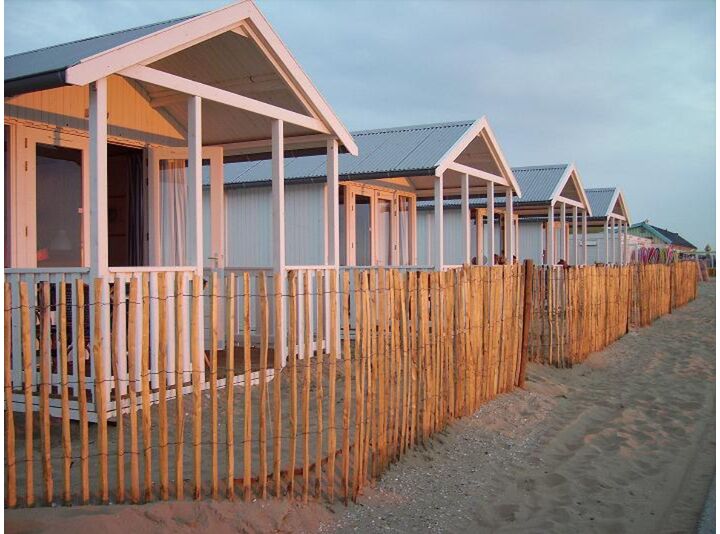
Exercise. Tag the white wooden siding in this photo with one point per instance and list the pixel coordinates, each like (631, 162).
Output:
(248, 225)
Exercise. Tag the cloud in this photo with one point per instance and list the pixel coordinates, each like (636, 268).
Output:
(626, 90)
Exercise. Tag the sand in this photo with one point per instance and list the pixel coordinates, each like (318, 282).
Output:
(622, 443)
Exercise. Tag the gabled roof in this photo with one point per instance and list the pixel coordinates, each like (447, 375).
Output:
(671, 238)
(404, 151)
(540, 184)
(603, 201)
(59, 57)
(130, 52)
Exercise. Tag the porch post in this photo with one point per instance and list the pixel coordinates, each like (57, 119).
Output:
(465, 213)
(541, 238)
(509, 248)
(333, 201)
(278, 228)
(576, 249)
(625, 251)
(194, 209)
(612, 238)
(550, 239)
(563, 232)
(333, 234)
(98, 179)
(217, 213)
(480, 235)
(438, 246)
(585, 234)
(491, 222)
(607, 241)
(516, 222)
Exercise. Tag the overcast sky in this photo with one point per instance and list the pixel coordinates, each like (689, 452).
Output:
(625, 89)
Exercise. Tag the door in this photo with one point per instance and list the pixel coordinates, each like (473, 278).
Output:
(167, 171)
(48, 188)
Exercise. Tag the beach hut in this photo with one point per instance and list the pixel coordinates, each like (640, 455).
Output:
(553, 197)
(607, 240)
(379, 190)
(661, 237)
(107, 140)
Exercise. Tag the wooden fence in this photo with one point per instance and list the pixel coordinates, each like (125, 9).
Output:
(580, 310)
(405, 354)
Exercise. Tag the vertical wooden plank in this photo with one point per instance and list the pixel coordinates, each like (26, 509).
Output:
(347, 383)
(179, 383)
(9, 419)
(214, 291)
(28, 374)
(262, 438)
(198, 353)
(319, 363)
(230, 382)
(64, 390)
(100, 389)
(292, 368)
(82, 392)
(370, 367)
(277, 382)
(45, 389)
(332, 378)
(306, 386)
(162, 317)
(132, 366)
(146, 383)
(359, 415)
(116, 354)
(404, 355)
(247, 372)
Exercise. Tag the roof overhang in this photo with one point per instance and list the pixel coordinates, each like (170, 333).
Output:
(451, 169)
(572, 176)
(136, 59)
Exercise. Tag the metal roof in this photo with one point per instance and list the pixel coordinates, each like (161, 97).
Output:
(61, 56)
(386, 152)
(671, 238)
(600, 199)
(537, 184)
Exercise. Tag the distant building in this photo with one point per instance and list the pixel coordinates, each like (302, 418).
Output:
(661, 236)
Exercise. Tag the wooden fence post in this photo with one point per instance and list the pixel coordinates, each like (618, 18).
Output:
(527, 320)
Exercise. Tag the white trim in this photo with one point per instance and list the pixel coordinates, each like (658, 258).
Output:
(476, 173)
(465, 216)
(438, 249)
(571, 172)
(208, 92)
(491, 222)
(447, 160)
(194, 225)
(98, 178)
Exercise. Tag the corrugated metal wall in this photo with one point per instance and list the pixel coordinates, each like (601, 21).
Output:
(248, 231)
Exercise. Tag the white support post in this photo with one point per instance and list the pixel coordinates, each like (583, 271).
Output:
(516, 238)
(585, 234)
(541, 243)
(612, 241)
(465, 215)
(438, 245)
(333, 232)
(480, 236)
(626, 244)
(563, 233)
(217, 212)
(550, 239)
(333, 201)
(491, 222)
(278, 228)
(576, 249)
(98, 179)
(508, 225)
(194, 181)
(607, 242)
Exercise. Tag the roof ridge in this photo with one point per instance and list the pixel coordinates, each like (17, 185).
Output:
(413, 127)
(534, 167)
(600, 189)
(158, 23)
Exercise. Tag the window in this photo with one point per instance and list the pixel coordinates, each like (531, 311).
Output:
(58, 206)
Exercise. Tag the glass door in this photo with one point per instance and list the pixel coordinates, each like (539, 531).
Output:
(48, 226)
(169, 202)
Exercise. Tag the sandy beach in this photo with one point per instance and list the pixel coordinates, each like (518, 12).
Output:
(622, 443)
